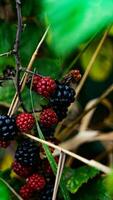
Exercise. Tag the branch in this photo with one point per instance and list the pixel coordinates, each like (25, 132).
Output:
(16, 50)
(9, 53)
(25, 76)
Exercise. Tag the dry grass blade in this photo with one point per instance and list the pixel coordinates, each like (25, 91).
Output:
(11, 189)
(90, 65)
(69, 129)
(59, 174)
(91, 163)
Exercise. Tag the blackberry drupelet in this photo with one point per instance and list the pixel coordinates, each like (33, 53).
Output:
(27, 153)
(47, 192)
(63, 96)
(7, 128)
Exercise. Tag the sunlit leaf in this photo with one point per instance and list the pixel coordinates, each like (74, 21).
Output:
(80, 176)
(73, 22)
(102, 67)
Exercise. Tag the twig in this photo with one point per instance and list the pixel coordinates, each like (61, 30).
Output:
(11, 189)
(9, 53)
(91, 163)
(25, 76)
(90, 65)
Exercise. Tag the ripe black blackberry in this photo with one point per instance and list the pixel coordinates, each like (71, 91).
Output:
(47, 192)
(47, 131)
(27, 153)
(7, 128)
(61, 112)
(63, 96)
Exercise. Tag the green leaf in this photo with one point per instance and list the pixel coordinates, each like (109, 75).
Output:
(94, 190)
(4, 192)
(73, 22)
(109, 183)
(80, 176)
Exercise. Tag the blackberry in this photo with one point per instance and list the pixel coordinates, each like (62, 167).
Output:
(36, 182)
(27, 153)
(63, 96)
(7, 128)
(47, 131)
(25, 122)
(47, 192)
(61, 112)
(21, 170)
(44, 86)
(48, 117)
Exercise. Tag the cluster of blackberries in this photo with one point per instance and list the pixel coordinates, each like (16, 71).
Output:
(29, 156)
(59, 95)
(36, 170)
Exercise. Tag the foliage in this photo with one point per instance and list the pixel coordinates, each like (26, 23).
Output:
(77, 177)
(94, 190)
(77, 22)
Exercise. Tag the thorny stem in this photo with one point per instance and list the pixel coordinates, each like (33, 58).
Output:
(16, 50)
(25, 76)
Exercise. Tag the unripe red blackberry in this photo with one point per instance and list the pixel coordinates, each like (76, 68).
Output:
(48, 117)
(4, 144)
(7, 128)
(27, 153)
(25, 122)
(36, 182)
(25, 192)
(45, 86)
(21, 170)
